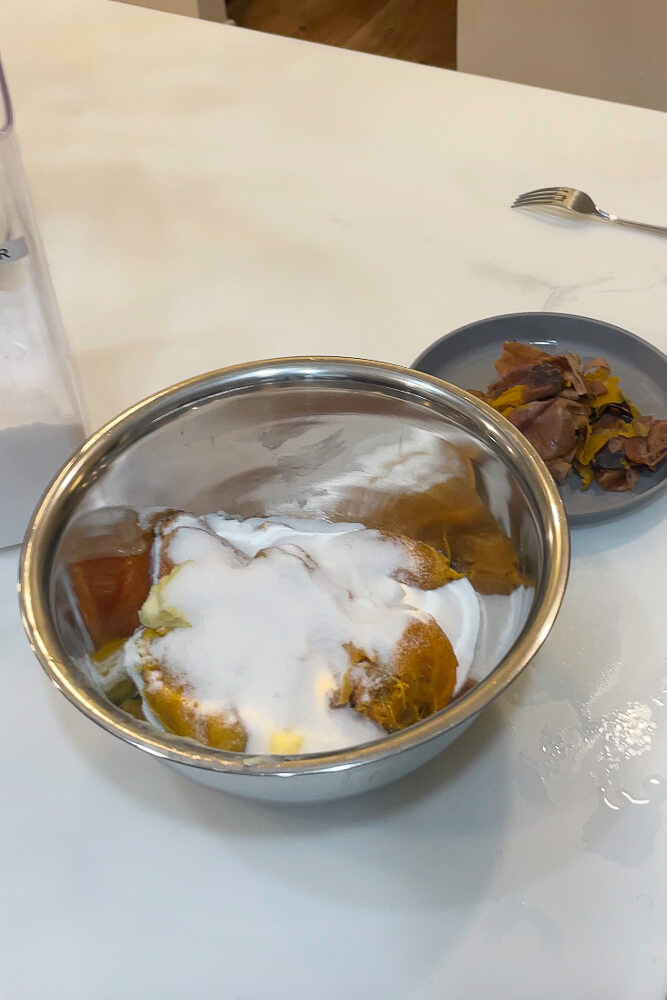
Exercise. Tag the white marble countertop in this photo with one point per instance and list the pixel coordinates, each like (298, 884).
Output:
(209, 195)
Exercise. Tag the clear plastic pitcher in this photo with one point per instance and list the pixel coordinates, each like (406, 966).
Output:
(40, 419)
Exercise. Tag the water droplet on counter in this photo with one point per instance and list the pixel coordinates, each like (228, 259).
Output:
(625, 825)
(634, 801)
(607, 801)
(591, 727)
(650, 791)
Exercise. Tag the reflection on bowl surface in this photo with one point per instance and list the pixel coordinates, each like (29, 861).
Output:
(395, 472)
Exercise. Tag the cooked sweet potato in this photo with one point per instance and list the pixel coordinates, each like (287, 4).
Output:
(418, 682)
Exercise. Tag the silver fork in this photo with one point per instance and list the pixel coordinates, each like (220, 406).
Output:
(572, 202)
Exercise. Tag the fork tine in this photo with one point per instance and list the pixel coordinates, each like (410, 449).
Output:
(550, 199)
(559, 193)
(538, 191)
(548, 203)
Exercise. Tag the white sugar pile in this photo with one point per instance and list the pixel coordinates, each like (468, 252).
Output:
(267, 635)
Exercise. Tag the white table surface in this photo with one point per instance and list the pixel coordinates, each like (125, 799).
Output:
(209, 195)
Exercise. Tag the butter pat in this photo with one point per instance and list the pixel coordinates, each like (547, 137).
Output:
(156, 613)
(285, 742)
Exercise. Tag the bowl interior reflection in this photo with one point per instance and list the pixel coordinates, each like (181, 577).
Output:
(306, 450)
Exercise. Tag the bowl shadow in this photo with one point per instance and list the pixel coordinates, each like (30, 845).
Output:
(422, 843)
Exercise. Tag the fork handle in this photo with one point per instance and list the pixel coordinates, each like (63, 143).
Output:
(643, 226)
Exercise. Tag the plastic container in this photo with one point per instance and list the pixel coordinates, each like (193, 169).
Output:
(40, 417)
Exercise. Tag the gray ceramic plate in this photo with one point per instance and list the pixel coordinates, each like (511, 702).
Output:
(466, 356)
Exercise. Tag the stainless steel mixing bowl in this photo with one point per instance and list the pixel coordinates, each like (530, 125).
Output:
(294, 436)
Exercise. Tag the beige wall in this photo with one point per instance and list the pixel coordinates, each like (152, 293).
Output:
(173, 6)
(214, 10)
(614, 49)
